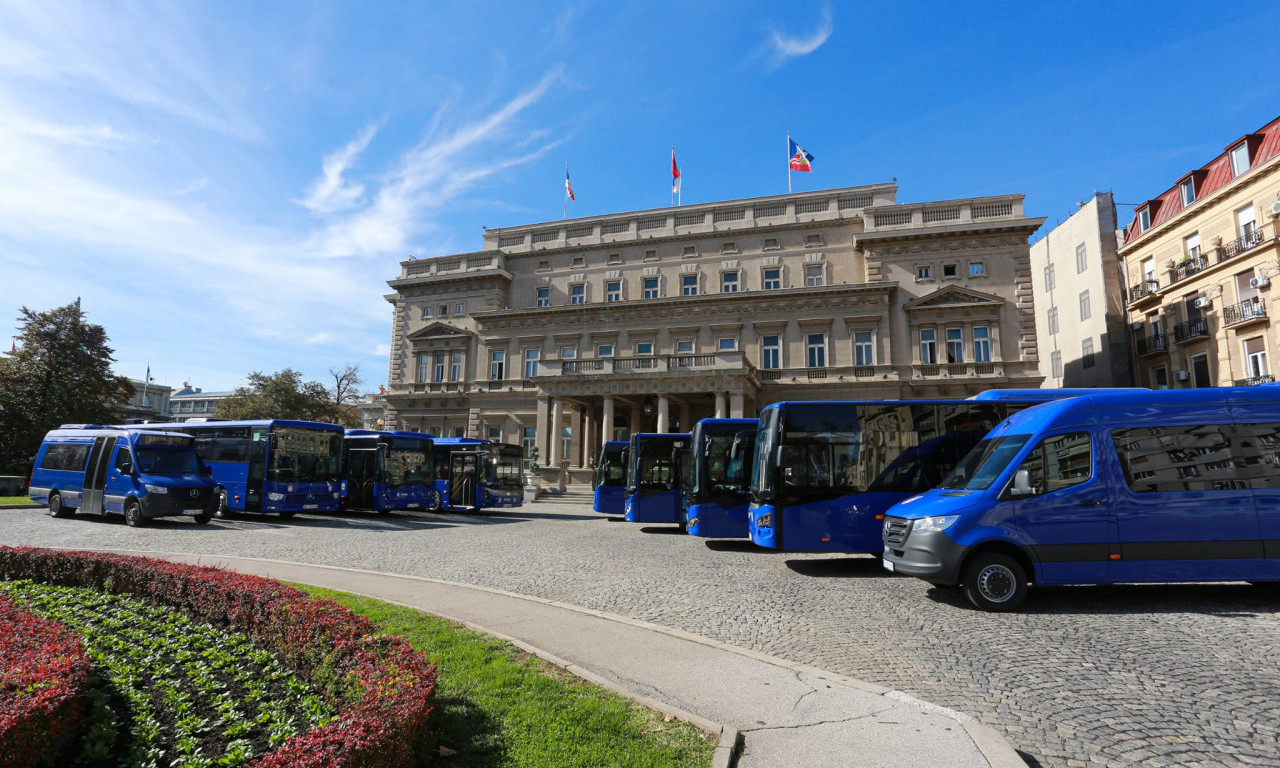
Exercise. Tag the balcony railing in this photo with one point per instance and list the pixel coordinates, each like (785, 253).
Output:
(830, 375)
(1150, 344)
(1188, 268)
(1144, 289)
(1191, 329)
(1265, 378)
(608, 366)
(956, 370)
(1240, 245)
(1245, 311)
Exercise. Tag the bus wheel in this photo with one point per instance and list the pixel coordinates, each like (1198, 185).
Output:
(995, 582)
(55, 507)
(433, 505)
(133, 514)
(203, 518)
(285, 515)
(222, 511)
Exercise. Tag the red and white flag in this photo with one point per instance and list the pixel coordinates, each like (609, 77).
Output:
(675, 175)
(568, 188)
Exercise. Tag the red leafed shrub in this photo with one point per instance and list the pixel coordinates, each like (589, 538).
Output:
(380, 685)
(44, 674)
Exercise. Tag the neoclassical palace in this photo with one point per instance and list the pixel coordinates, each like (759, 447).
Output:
(564, 334)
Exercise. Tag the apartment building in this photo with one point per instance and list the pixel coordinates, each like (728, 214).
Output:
(1200, 258)
(560, 335)
(1079, 290)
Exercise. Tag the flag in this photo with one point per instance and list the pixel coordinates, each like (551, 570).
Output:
(799, 159)
(675, 175)
(382, 390)
(568, 188)
(148, 378)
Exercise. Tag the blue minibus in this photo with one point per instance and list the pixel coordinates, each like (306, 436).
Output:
(276, 466)
(386, 470)
(104, 470)
(1168, 486)
(653, 486)
(475, 473)
(716, 496)
(826, 472)
(611, 479)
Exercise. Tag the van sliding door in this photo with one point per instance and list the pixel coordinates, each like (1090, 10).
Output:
(95, 474)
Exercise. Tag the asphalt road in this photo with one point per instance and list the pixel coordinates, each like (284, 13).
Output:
(1150, 675)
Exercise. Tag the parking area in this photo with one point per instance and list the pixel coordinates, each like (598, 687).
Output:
(1153, 675)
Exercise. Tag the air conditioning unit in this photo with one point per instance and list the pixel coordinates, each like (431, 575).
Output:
(1136, 325)
(1182, 376)
(1204, 302)
(1275, 208)
(1261, 281)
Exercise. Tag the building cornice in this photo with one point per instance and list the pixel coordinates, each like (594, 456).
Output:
(984, 230)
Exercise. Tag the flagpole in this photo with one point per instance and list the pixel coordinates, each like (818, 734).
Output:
(565, 215)
(145, 382)
(788, 162)
(673, 178)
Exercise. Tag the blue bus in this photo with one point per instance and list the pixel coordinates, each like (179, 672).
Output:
(386, 470)
(611, 479)
(1168, 486)
(826, 472)
(474, 473)
(105, 471)
(275, 466)
(653, 487)
(715, 497)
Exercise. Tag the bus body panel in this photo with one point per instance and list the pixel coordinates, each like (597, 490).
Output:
(653, 493)
(717, 497)
(658, 507)
(712, 520)
(1180, 485)
(609, 496)
(478, 473)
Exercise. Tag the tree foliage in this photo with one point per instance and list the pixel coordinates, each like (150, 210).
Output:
(346, 393)
(280, 395)
(59, 374)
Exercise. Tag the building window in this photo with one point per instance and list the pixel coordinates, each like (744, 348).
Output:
(651, 287)
(773, 278)
(497, 365)
(924, 272)
(424, 370)
(1188, 191)
(1192, 245)
(1144, 220)
(613, 290)
(690, 251)
(604, 350)
(495, 434)
(568, 353)
(460, 308)
(771, 351)
(544, 297)
(544, 266)
(981, 344)
(1085, 311)
(928, 346)
(1148, 266)
(614, 258)
(566, 442)
(813, 275)
(729, 247)
(438, 372)
(770, 244)
(1159, 378)
(1050, 279)
(684, 347)
(727, 344)
(444, 310)
(812, 240)
(1053, 321)
(864, 349)
(955, 345)
(1082, 258)
(651, 255)
(578, 293)
(644, 348)
(689, 285)
(816, 350)
(455, 366)
(579, 261)
(1055, 361)
(1248, 224)
(728, 282)
(949, 270)
(528, 440)
(1086, 353)
(1255, 357)
(977, 269)
(426, 313)
(531, 362)
(1239, 158)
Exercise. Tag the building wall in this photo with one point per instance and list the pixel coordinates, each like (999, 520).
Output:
(1078, 256)
(148, 401)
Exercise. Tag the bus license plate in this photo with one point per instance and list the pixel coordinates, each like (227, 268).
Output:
(310, 506)
(193, 511)
(888, 566)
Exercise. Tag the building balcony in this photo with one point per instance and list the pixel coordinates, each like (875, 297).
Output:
(1244, 312)
(1192, 329)
(956, 370)
(1152, 344)
(1265, 378)
(1144, 290)
(830, 375)
(645, 364)
(1185, 269)
(1240, 245)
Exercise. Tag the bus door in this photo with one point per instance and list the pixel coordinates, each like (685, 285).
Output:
(257, 469)
(362, 475)
(95, 474)
(463, 470)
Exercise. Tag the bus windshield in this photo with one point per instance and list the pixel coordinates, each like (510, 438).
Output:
(613, 467)
(299, 454)
(409, 462)
(164, 455)
(762, 474)
(505, 467)
(984, 463)
(716, 472)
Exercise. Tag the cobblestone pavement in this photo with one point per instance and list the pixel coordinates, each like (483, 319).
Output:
(1150, 675)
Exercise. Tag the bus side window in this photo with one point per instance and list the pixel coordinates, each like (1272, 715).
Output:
(1060, 462)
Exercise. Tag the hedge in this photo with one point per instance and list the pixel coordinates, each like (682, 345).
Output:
(381, 687)
(44, 675)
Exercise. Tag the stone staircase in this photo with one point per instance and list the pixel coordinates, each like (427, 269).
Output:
(573, 494)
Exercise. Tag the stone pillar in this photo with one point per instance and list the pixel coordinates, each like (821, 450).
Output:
(685, 424)
(662, 413)
(542, 429)
(557, 426)
(606, 427)
(635, 418)
(735, 405)
(720, 405)
(588, 448)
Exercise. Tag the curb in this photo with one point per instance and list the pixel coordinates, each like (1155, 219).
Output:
(993, 746)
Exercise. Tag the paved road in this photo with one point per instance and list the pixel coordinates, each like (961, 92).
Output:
(1160, 675)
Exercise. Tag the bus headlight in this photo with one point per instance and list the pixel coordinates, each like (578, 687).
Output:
(933, 524)
(155, 488)
(275, 496)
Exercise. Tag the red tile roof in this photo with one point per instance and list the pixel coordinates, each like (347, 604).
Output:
(1210, 178)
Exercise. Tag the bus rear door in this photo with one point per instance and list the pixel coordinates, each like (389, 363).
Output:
(95, 474)
(463, 470)
(362, 474)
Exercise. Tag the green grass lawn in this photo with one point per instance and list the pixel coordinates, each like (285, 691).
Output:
(15, 500)
(496, 705)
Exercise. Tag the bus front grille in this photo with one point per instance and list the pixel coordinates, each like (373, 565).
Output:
(896, 530)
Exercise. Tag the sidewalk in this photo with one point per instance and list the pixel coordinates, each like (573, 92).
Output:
(784, 714)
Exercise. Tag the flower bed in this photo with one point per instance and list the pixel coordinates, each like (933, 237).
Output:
(380, 686)
(44, 673)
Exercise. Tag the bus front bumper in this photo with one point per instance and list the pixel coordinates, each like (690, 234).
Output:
(933, 557)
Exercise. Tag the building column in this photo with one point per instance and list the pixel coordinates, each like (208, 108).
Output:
(735, 405)
(663, 404)
(635, 418)
(685, 426)
(606, 427)
(587, 448)
(720, 405)
(541, 429)
(557, 426)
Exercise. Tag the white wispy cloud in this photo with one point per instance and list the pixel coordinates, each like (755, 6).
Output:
(783, 45)
(331, 192)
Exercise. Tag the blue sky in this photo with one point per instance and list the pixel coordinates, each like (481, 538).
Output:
(229, 185)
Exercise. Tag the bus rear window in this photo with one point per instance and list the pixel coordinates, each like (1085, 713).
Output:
(164, 441)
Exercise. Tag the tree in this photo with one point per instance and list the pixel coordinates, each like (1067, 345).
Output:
(346, 393)
(281, 395)
(60, 373)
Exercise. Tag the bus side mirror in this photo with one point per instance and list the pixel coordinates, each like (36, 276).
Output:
(206, 470)
(1021, 483)
(127, 468)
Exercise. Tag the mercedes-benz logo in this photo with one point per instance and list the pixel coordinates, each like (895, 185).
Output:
(195, 492)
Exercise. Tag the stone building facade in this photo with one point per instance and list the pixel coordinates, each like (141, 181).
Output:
(562, 334)
(1200, 260)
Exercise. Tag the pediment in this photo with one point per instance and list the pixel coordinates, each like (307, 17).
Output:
(437, 331)
(953, 296)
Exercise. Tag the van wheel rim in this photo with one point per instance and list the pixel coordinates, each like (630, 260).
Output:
(996, 583)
